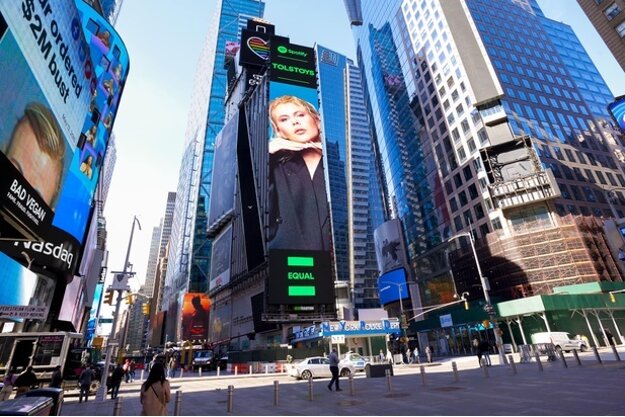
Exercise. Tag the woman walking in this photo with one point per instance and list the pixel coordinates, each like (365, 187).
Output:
(155, 392)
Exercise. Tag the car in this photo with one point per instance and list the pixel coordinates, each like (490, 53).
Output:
(203, 359)
(560, 340)
(360, 362)
(318, 367)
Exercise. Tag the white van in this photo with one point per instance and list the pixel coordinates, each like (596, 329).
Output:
(560, 340)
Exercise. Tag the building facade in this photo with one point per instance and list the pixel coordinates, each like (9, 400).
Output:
(608, 19)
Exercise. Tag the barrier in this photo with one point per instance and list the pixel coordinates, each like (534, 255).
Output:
(422, 370)
(485, 368)
(512, 364)
(276, 392)
(177, 403)
(389, 383)
(310, 388)
(230, 402)
(351, 384)
(454, 368)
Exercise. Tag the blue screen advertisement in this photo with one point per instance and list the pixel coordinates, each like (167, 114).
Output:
(61, 79)
(392, 286)
(617, 110)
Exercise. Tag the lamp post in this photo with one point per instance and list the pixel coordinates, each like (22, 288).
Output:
(485, 287)
(112, 342)
(402, 321)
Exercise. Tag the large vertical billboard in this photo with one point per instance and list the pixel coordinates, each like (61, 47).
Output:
(195, 313)
(220, 259)
(299, 234)
(60, 96)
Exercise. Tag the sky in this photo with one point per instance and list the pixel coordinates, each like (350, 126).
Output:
(164, 40)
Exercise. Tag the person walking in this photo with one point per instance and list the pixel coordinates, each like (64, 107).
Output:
(382, 356)
(155, 392)
(610, 337)
(408, 356)
(334, 369)
(484, 349)
(7, 388)
(57, 377)
(131, 372)
(171, 367)
(389, 356)
(477, 350)
(85, 378)
(25, 381)
(116, 380)
(428, 353)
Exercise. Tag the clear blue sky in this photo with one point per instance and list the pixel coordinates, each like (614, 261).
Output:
(164, 40)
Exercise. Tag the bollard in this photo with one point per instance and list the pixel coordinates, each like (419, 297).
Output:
(310, 388)
(236, 370)
(218, 369)
(579, 362)
(485, 368)
(454, 368)
(117, 408)
(594, 349)
(618, 358)
(276, 392)
(422, 368)
(388, 380)
(178, 402)
(351, 384)
(142, 374)
(199, 372)
(538, 362)
(564, 364)
(266, 369)
(251, 367)
(512, 364)
(181, 372)
(230, 399)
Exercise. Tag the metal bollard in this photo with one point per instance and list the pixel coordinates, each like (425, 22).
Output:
(454, 368)
(351, 384)
(117, 408)
(181, 372)
(142, 374)
(236, 370)
(266, 369)
(388, 380)
(230, 399)
(218, 369)
(564, 364)
(538, 362)
(276, 392)
(512, 364)
(618, 358)
(310, 388)
(594, 349)
(422, 368)
(199, 372)
(579, 362)
(178, 402)
(485, 368)
(251, 367)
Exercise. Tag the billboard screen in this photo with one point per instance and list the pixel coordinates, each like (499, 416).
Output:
(195, 310)
(392, 286)
(60, 95)
(220, 259)
(617, 110)
(299, 233)
(389, 246)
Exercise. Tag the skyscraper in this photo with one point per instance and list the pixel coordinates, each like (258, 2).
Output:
(488, 117)
(189, 256)
(607, 18)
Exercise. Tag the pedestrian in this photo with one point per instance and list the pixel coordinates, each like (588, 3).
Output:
(428, 353)
(171, 367)
(116, 380)
(382, 356)
(484, 348)
(478, 351)
(610, 337)
(85, 378)
(57, 377)
(133, 366)
(389, 356)
(25, 381)
(126, 368)
(333, 358)
(408, 356)
(7, 388)
(155, 392)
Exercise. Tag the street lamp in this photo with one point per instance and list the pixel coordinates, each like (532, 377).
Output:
(402, 318)
(101, 394)
(485, 287)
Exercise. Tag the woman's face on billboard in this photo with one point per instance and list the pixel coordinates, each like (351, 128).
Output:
(293, 122)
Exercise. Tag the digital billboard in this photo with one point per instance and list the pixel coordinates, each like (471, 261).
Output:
(299, 234)
(195, 312)
(389, 246)
(617, 110)
(60, 95)
(220, 259)
(392, 286)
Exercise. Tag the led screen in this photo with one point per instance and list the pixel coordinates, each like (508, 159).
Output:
(392, 286)
(220, 259)
(195, 310)
(299, 233)
(617, 110)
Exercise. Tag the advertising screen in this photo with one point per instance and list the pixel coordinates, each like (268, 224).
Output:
(389, 246)
(392, 286)
(60, 95)
(220, 259)
(195, 311)
(299, 233)
(617, 110)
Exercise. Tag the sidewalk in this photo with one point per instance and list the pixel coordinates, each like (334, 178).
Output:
(591, 389)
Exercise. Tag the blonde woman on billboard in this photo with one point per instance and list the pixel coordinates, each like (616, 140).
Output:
(87, 166)
(298, 206)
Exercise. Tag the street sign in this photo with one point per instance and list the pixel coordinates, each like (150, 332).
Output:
(120, 281)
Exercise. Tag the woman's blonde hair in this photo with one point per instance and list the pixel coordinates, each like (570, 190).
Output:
(291, 99)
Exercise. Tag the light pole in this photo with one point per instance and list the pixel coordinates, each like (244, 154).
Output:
(112, 342)
(488, 307)
(402, 318)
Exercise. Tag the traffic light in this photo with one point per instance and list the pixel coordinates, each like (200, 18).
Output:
(146, 309)
(108, 297)
(612, 298)
(130, 299)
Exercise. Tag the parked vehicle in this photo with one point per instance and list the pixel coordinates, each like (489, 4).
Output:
(560, 340)
(360, 362)
(204, 359)
(318, 367)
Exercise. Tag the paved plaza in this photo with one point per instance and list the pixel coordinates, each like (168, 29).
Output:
(589, 389)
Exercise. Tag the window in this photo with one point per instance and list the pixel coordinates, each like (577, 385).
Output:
(462, 196)
(458, 180)
(612, 11)
(620, 29)
(479, 211)
(468, 174)
(473, 191)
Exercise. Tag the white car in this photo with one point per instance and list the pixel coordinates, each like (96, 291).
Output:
(318, 367)
(360, 363)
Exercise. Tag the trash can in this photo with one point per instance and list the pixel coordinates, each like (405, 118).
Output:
(27, 406)
(55, 393)
(378, 370)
